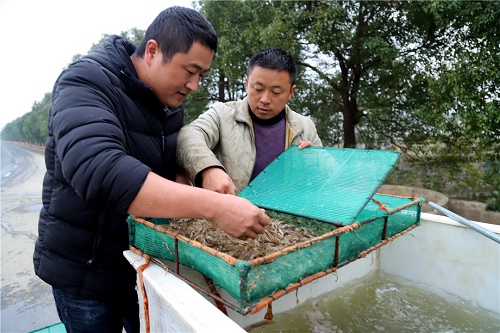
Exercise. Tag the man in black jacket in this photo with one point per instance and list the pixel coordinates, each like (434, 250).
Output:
(113, 127)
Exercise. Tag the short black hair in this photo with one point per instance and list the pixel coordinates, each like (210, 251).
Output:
(176, 29)
(275, 59)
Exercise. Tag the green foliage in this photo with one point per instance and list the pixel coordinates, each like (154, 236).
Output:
(31, 127)
(133, 35)
(492, 174)
(420, 77)
(453, 175)
(377, 72)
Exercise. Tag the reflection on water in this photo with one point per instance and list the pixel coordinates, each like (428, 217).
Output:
(385, 303)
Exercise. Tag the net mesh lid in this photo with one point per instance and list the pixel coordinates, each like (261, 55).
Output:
(323, 183)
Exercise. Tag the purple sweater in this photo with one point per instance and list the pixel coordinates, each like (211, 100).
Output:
(269, 140)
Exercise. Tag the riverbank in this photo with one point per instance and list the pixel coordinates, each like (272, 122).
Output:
(27, 302)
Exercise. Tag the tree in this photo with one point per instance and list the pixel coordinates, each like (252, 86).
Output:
(32, 126)
(419, 77)
(416, 76)
(470, 85)
(376, 67)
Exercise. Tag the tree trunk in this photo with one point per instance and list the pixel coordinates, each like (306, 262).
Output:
(221, 85)
(349, 126)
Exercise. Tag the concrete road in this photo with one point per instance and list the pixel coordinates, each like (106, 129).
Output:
(27, 302)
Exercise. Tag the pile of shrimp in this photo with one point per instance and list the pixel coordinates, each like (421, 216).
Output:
(277, 236)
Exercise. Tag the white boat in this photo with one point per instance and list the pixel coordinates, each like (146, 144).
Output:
(441, 253)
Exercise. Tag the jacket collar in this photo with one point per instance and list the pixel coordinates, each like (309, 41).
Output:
(243, 115)
(116, 57)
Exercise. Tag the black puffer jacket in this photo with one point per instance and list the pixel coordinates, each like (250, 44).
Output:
(106, 132)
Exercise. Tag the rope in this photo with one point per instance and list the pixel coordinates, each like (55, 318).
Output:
(140, 271)
(381, 205)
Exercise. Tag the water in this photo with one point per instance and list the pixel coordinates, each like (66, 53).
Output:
(384, 303)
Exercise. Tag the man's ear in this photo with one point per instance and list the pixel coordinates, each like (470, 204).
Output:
(152, 51)
(292, 90)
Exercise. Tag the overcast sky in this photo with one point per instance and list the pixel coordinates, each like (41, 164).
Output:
(40, 37)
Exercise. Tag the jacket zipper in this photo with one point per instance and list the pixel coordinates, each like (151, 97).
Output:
(163, 141)
(97, 241)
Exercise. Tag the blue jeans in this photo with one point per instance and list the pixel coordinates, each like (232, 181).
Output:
(84, 315)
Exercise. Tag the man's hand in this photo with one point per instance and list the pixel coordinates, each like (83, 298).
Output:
(217, 180)
(163, 198)
(240, 218)
(304, 144)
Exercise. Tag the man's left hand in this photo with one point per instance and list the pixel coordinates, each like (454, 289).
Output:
(304, 144)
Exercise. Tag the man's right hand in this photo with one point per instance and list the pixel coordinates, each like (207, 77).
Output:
(240, 218)
(237, 216)
(217, 180)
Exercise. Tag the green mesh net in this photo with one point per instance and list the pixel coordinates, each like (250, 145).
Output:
(326, 184)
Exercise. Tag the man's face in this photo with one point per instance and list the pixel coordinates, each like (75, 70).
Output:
(268, 91)
(174, 80)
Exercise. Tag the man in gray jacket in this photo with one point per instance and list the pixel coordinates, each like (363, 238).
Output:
(231, 143)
